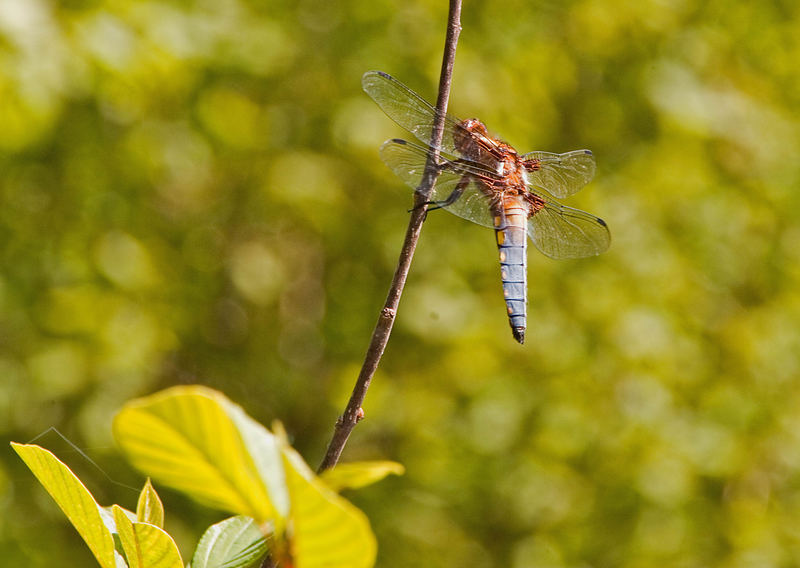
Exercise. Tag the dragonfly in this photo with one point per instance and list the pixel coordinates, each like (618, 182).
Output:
(485, 180)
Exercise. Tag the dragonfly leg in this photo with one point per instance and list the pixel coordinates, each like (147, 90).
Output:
(450, 199)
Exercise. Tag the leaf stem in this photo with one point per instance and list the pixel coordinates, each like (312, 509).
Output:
(383, 328)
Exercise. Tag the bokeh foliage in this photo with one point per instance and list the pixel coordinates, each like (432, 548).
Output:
(190, 192)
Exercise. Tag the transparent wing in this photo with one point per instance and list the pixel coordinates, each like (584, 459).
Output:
(408, 109)
(560, 175)
(408, 161)
(559, 231)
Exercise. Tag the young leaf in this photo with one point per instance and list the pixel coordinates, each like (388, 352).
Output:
(184, 438)
(198, 441)
(145, 545)
(265, 448)
(327, 531)
(108, 516)
(73, 498)
(359, 474)
(149, 509)
(236, 542)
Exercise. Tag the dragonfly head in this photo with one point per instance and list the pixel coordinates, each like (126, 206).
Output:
(465, 138)
(474, 125)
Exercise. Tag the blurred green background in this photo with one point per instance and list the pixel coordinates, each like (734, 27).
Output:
(190, 192)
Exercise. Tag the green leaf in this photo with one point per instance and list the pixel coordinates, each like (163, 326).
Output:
(359, 474)
(265, 449)
(184, 438)
(145, 545)
(327, 531)
(196, 440)
(73, 498)
(236, 542)
(149, 509)
(108, 516)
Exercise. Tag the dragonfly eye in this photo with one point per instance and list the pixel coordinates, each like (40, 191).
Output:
(476, 126)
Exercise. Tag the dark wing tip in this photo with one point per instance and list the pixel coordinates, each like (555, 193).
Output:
(368, 78)
(588, 152)
(599, 220)
(393, 142)
(375, 73)
(519, 334)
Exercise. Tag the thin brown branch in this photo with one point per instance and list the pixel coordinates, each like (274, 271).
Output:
(383, 329)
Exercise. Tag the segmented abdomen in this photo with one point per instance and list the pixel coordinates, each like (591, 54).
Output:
(511, 223)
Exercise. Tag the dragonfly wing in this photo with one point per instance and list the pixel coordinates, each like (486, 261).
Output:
(408, 162)
(472, 205)
(559, 231)
(560, 175)
(408, 109)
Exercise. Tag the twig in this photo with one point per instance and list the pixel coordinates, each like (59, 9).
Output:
(353, 412)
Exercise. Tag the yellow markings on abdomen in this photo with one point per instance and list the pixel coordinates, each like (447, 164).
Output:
(510, 225)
